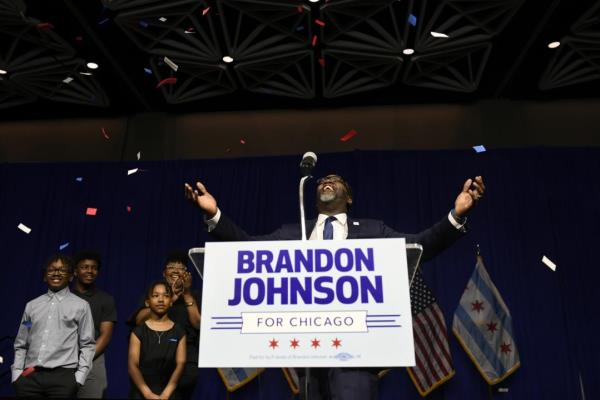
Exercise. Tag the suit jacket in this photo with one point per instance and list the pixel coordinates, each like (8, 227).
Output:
(434, 239)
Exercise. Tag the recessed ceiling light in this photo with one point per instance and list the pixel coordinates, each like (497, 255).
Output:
(92, 65)
(85, 73)
(314, 1)
(3, 72)
(553, 45)
(408, 52)
(228, 59)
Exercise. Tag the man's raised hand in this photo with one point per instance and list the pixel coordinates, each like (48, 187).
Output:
(472, 192)
(202, 199)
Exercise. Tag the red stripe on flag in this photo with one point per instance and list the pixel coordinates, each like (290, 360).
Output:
(424, 348)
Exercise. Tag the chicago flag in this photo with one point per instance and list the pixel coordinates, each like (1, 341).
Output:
(483, 326)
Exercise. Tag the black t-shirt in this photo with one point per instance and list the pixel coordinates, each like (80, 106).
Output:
(102, 305)
(158, 351)
(178, 313)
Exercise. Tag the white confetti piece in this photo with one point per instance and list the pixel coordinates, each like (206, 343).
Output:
(549, 263)
(24, 228)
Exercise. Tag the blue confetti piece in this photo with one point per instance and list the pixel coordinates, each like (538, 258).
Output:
(412, 20)
(28, 324)
(79, 179)
(172, 340)
(479, 149)
(143, 24)
(63, 246)
(300, 28)
(148, 71)
(105, 20)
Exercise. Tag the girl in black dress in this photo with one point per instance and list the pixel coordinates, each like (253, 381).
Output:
(156, 349)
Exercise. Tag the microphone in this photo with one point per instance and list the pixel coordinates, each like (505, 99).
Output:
(309, 159)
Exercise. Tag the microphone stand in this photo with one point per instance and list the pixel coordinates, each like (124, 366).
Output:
(301, 197)
(304, 239)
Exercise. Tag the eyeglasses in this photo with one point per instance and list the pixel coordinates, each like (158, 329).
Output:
(331, 178)
(58, 271)
(171, 268)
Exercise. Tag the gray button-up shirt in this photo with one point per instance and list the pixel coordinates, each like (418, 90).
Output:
(56, 330)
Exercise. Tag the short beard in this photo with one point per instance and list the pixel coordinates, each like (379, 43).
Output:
(326, 197)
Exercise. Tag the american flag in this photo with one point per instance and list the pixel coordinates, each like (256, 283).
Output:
(432, 353)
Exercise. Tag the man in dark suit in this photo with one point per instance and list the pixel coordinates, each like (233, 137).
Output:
(334, 197)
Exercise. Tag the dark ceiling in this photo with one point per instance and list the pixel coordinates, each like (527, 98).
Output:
(289, 54)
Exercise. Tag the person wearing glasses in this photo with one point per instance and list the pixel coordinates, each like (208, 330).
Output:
(55, 345)
(185, 311)
(87, 264)
(334, 198)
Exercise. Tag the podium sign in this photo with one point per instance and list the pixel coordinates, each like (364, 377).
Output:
(306, 304)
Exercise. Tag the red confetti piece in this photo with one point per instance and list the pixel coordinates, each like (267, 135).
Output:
(168, 81)
(300, 9)
(128, 208)
(314, 41)
(205, 11)
(319, 22)
(91, 211)
(105, 134)
(242, 141)
(351, 133)
(322, 62)
(45, 25)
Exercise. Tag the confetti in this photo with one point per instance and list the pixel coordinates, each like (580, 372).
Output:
(168, 81)
(28, 324)
(412, 20)
(162, 19)
(479, 149)
(63, 246)
(319, 22)
(148, 71)
(351, 133)
(132, 171)
(105, 20)
(171, 64)
(314, 41)
(300, 28)
(91, 211)
(439, 35)
(128, 208)
(190, 30)
(68, 80)
(139, 155)
(105, 134)
(143, 24)
(300, 9)
(45, 25)
(24, 228)
(322, 62)
(242, 141)
(79, 179)
(549, 263)
(205, 11)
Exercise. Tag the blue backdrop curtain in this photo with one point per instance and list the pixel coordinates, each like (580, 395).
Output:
(539, 202)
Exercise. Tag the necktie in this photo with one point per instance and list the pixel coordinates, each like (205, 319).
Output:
(328, 228)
